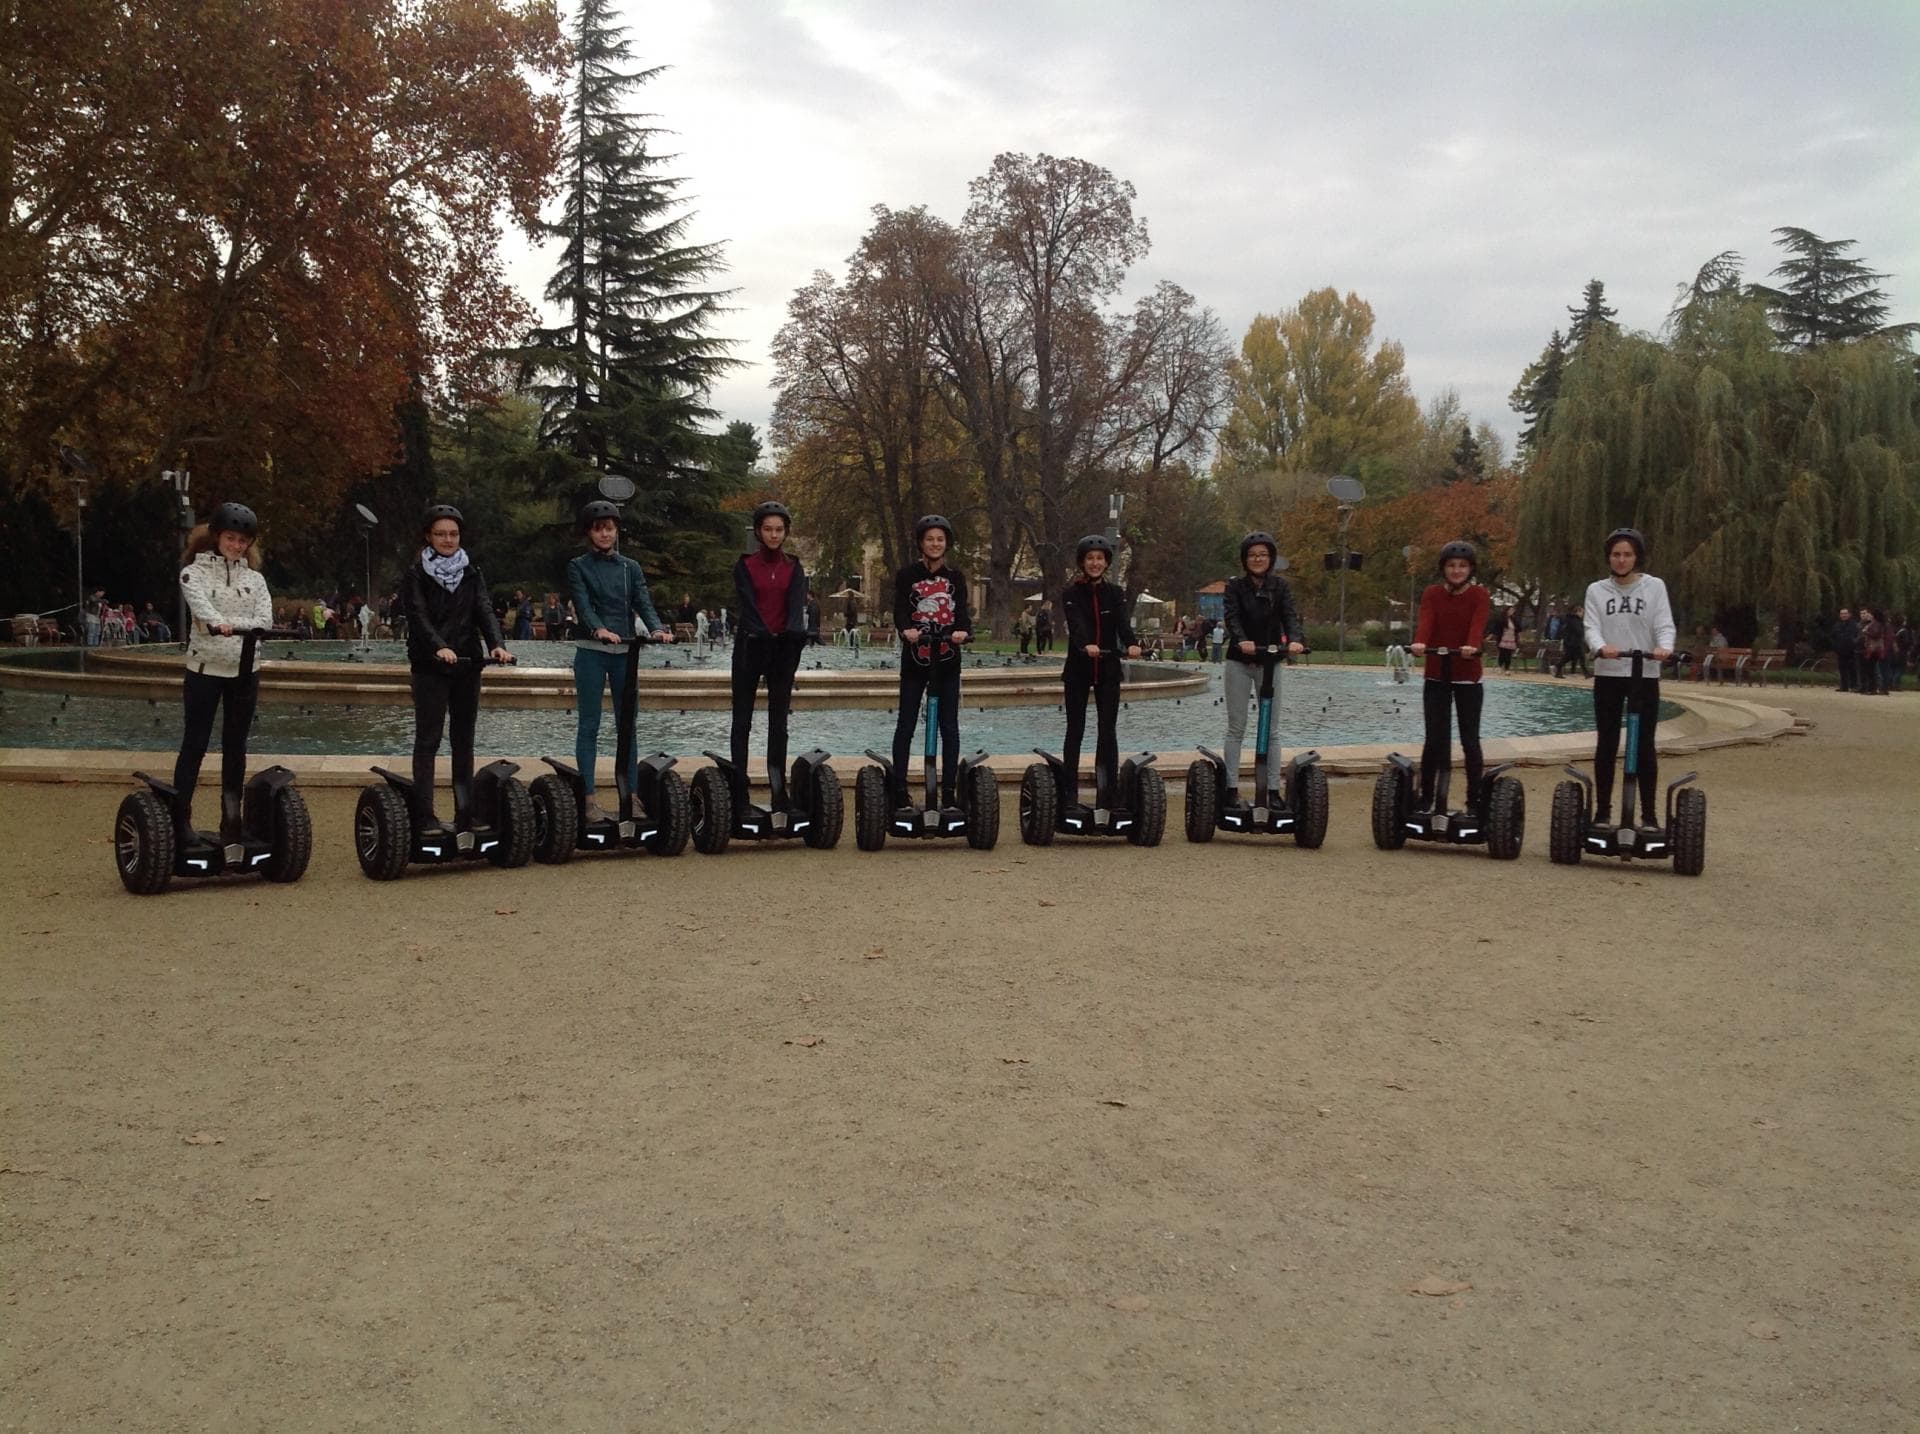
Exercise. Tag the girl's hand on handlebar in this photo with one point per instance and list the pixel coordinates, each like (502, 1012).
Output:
(500, 654)
(225, 629)
(962, 635)
(662, 635)
(1661, 654)
(1609, 652)
(447, 655)
(1247, 647)
(1134, 651)
(1295, 648)
(911, 634)
(1093, 649)
(607, 635)
(1419, 649)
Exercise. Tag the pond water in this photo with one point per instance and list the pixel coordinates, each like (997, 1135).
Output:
(1318, 707)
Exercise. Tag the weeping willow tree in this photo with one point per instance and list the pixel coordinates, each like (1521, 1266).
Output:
(1764, 478)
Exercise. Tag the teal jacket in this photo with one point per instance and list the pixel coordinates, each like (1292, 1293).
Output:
(607, 590)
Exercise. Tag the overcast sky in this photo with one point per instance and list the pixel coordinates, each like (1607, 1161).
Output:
(1463, 167)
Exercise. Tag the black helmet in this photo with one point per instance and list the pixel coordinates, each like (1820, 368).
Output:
(591, 513)
(928, 524)
(1092, 543)
(1632, 535)
(1459, 548)
(234, 518)
(443, 510)
(1259, 540)
(771, 509)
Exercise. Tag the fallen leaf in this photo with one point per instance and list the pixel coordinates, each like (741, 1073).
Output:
(505, 910)
(1435, 1286)
(1761, 1330)
(200, 1137)
(1049, 903)
(691, 925)
(1323, 1110)
(260, 1195)
(1013, 1060)
(876, 954)
(806, 998)
(1395, 1085)
(990, 871)
(1456, 1304)
(1765, 1124)
(1120, 1104)
(1130, 1304)
(23, 1170)
(803, 1040)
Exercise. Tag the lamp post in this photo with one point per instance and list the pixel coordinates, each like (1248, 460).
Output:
(1347, 492)
(182, 481)
(368, 522)
(1412, 617)
(78, 471)
(1116, 504)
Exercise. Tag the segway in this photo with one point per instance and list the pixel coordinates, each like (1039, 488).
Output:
(492, 818)
(1298, 806)
(1576, 832)
(653, 812)
(875, 813)
(1497, 820)
(265, 829)
(809, 806)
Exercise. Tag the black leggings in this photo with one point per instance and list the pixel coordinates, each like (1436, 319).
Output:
(1437, 699)
(436, 696)
(200, 695)
(1609, 707)
(776, 659)
(1080, 679)
(944, 678)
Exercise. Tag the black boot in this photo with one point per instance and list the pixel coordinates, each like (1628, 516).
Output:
(230, 811)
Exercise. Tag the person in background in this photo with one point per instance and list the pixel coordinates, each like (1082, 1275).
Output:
(1902, 652)
(1846, 643)
(522, 615)
(1870, 654)
(1043, 628)
(1509, 639)
(688, 612)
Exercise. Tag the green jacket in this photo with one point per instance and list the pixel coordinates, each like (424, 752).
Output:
(607, 590)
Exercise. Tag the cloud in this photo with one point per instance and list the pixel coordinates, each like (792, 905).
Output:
(1465, 169)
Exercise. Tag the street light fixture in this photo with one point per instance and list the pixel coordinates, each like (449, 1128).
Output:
(1347, 492)
(367, 524)
(79, 470)
(1412, 622)
(1116, 504)
(182, 481)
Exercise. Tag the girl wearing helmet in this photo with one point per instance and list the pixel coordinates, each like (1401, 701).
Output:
(1626, 611)
(1260, 612)
(1453, 615)
(450, 622)
(609, 591)
(770, 595)
(226, 598)
(930, 598)
(1097, 634)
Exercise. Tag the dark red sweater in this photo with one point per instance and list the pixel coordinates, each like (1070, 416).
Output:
(770, 572)
(1456, 620)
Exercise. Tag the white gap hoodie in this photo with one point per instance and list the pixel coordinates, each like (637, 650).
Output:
(1633, 616)
(221, 591)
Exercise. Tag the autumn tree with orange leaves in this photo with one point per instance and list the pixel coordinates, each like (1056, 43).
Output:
(238, 236)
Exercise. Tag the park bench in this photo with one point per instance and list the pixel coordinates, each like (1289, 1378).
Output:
(1737, 665)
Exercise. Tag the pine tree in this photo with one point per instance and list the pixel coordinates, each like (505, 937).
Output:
(1533, 397)
(1593, 314)
(1825, 297)
(623, 381)
(1467, 462)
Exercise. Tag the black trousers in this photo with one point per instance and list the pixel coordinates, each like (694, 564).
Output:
(775, 659)
(201, 695)
(1439, 701)
(1844, 665)
(1084, 675)
(437, 696)
(1610, 696)
(944, 679)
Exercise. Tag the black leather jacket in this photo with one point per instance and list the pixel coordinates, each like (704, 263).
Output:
(1260, 611)
(461, 619)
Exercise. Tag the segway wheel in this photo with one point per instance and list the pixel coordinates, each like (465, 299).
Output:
(1039, 805)
(981, 791)
(1506, 819)
(674, 819)
(556, 820)
(1149, 807)
(870, 802)
(1392, 796)
(292, 836)
(1310, 807)
(382, 833)
(1690, 832)
(1567, 828)
(712, 806)
(143, 843)
(829, 810)
(516, 825)
(1203, 800)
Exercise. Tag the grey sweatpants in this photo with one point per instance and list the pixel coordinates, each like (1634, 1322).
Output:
(1243, 690)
